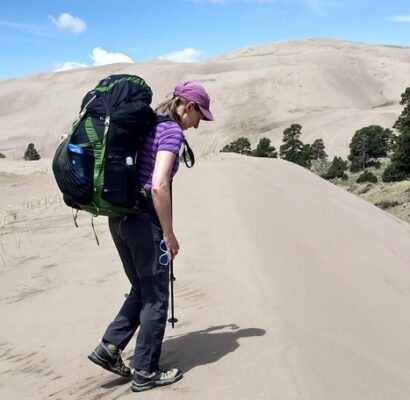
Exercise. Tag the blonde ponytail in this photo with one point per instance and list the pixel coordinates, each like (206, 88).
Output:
(169, 107)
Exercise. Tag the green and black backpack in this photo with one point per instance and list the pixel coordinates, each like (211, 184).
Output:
(96, 165)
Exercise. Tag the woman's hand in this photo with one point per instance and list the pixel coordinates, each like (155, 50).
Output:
(172, 245)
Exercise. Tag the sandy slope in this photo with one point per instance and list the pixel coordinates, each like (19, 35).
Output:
(287, 288)
(331, 87)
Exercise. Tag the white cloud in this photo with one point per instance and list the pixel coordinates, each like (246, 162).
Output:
(103, 57)
(68, 65)
(69, 23)
(187, 55)
(399, 18)
(99, 57)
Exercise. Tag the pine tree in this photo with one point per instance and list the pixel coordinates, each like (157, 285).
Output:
(306, 156)
(318, 150)
(31, 154)
(264, 149)
(367, 145)
(403, 121)
(293, 149)
(399, 169)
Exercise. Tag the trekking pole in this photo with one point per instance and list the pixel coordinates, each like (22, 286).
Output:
(172, 320)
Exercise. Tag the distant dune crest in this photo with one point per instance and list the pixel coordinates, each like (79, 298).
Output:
(330, 87)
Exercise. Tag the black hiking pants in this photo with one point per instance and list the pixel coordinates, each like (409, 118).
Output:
(137, 241)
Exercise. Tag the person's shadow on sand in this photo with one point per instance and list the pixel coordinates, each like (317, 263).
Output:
(204, 347)
(197, 348)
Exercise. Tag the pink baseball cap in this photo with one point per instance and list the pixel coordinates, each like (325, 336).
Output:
(194, 91)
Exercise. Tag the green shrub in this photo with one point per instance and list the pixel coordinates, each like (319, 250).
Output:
(394, 173)
(337, 169)
(31, 154)
(387, 204)
(367, 176)
(241, 146)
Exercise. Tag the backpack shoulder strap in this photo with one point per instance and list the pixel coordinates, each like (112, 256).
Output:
(163, 118)
(187, 153)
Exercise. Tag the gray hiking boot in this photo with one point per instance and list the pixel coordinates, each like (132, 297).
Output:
(108, 356)
(145, 380)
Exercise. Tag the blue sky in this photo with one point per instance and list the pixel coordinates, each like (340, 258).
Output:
(47, 35)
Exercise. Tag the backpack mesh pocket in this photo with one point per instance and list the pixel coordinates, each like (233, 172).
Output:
(73, 168)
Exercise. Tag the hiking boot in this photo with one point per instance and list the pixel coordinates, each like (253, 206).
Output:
(108, 356)
(145, 380)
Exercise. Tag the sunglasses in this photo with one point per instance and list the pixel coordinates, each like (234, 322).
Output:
(163, 257)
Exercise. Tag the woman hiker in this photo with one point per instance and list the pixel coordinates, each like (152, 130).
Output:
(144, 243)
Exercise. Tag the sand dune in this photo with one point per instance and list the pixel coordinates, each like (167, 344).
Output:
(287, 288)
(331, 87)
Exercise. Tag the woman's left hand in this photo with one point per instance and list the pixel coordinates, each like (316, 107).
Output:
(171, 244)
